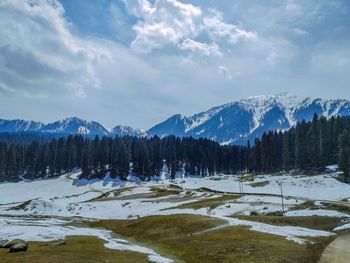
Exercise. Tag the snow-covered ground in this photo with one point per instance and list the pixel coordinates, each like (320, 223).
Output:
(67, 197)
(320, 187)
(54, 229)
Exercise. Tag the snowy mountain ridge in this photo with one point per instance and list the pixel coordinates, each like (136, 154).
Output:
(19, 125)
(247, 119)
(72, 125)
(234, 122)
(122, 130)
(75, 125)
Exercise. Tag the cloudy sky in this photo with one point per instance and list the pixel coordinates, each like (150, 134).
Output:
(136, 62)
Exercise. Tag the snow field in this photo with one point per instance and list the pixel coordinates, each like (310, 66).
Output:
(68, 197)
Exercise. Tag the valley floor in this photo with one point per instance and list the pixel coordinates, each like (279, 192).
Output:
(188, 219)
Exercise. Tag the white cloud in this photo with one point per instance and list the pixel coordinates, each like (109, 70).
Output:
(218, 29)
(202, 48)
(164, 22)
(43, 61)
(291, 6)
(299, 31)
(139, 8)
(170, 22)
(226, 72)
(38, 53)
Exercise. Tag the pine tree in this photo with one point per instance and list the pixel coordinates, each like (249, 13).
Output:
(314, 142)
(344, 154)
(286, 153)
(86, 166)
(123, 161)
(300, 146)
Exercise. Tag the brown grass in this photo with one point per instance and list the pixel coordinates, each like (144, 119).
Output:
(76, 250)
(182, 237)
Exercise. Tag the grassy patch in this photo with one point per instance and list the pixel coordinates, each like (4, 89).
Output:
(337, 207)
(218, 178)
(111, 195)
(313, 222)
(305, 205)
(159, 227)
(210, 203)
(247, 178)
(164, 191)
(20, 206)
(75, 250)
(259, 184)
(182, 237)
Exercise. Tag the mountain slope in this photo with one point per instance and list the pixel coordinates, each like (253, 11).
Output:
(121, 130)
(72, 125)
(234, 122)
(19, 126)
(239, 121)
(67, 126)
(75, 125)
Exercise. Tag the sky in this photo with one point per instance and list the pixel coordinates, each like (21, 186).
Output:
(137, 62)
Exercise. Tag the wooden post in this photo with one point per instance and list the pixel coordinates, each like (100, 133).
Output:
(282, 198)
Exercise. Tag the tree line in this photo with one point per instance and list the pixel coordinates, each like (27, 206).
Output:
(120, 156)
(308, 147)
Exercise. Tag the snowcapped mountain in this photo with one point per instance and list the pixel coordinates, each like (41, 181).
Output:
(234, 122)
(19, 126)
(72, 125)
(239, 121)
(75, 125)
(121, 130)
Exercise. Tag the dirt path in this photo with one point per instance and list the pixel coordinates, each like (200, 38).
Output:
(338, 251)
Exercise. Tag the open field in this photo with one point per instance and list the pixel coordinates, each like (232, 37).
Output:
(75, 250)
(185, 220)
(190, 239)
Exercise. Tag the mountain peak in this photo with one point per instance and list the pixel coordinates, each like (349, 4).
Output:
(123, 130)
(249, 118)
(73, 119)
(234, 122)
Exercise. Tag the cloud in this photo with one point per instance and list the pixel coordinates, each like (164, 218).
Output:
(226, 72)
(39, 54)
(201, 48)
(165, 22)
(299, 31)
(291, 6)
(218, 29)
(170, 22)
(156, 57)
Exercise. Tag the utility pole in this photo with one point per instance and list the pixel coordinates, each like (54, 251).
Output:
(282, 198)
(240, 187)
